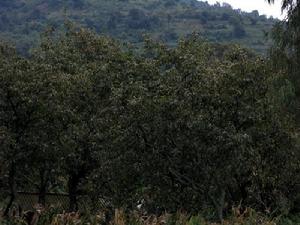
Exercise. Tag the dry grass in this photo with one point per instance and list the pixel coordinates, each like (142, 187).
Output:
(119, 217)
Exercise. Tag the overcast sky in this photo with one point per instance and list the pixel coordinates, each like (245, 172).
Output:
(248, 5)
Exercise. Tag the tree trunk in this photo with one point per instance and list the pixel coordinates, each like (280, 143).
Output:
(43, 188)
(12, 189)
(219, 204)
(42, 195)
(73, 186)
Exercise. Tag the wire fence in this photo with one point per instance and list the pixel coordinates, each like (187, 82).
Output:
(28, 201)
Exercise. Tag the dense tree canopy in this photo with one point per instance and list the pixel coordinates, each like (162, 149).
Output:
(193, 127)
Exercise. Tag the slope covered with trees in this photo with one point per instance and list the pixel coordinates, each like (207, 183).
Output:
(128, 20)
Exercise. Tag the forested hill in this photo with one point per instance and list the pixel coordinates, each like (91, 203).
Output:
(22, 21)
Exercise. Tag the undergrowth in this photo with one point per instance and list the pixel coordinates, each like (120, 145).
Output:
(120, 217)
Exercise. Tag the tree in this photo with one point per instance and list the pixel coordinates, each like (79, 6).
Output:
(207, 121)
(28, 107)
(285, 54)
(94, 65)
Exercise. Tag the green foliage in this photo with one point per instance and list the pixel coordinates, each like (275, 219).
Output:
(285, 52)
(196, 220)
(194, 127)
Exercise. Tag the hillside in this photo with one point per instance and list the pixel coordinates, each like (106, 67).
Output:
(22, 21)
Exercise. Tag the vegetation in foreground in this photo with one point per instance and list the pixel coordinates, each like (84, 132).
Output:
(246, 216)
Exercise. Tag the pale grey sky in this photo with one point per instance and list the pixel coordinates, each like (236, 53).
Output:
(248, 5)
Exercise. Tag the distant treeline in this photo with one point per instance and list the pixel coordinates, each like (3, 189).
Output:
(168, 20)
